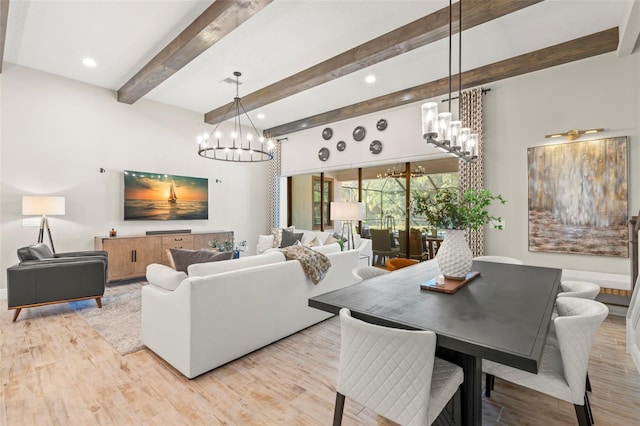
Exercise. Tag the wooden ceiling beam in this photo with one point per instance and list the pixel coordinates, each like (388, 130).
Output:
(4, 13)
(416, 34)
(580, 48)
(211, 26)
(629, 29)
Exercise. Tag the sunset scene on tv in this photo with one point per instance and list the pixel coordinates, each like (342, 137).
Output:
(156, 196)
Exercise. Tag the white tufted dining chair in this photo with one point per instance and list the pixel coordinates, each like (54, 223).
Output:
(563, 369)
(365, 272)
(581, 289)
(395, 373)
(500, 259)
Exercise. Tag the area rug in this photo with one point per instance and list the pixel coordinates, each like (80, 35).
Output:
(119, 319)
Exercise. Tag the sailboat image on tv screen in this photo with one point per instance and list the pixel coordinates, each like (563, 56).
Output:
(172, 195)
(154, 196)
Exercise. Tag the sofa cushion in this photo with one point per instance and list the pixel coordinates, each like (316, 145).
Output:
(164, 276)
(181, 258)
(35, 252)
(265, 242)
(211, 268)
(290, 238)
(328, 248)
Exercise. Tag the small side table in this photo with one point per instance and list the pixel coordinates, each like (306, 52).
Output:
(365, 256)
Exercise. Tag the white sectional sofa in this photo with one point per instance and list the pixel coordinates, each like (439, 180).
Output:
(224, 310)
(318, 240)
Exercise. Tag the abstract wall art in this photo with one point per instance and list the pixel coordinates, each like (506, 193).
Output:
(578, 195)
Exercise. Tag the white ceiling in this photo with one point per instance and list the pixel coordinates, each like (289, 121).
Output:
(286, 37)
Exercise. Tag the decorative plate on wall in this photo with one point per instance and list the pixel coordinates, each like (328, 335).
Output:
(341, 146)
(323, 154)
(381, 124)
(375, 147)
(359, 133)
(327, 133)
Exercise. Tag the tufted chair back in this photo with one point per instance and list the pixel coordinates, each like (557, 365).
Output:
(576, 327)
(365, 272)
(580, 289)
(390, 371)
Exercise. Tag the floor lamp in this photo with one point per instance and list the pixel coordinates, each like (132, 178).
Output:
(347, 212)
(43, 206)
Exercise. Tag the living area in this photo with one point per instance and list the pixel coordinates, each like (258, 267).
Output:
(82, 142)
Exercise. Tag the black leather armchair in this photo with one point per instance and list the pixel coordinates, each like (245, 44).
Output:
(42, 277)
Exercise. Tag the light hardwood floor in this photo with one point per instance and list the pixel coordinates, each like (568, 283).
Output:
(55, 369)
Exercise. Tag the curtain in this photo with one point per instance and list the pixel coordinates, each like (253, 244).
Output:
(273, 208)
(471, 174)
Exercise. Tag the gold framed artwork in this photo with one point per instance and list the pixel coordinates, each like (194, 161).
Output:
(578, 196)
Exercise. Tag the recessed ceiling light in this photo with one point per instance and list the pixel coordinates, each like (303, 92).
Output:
(260, 116)
(88, 62)
(370, 79)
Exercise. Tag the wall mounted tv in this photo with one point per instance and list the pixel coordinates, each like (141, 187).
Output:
(155, 196)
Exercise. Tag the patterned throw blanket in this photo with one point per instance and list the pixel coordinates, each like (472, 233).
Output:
(314, 264)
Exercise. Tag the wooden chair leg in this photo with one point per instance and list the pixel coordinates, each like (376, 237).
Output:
(99, 302)
(337, 414)
(15, 315)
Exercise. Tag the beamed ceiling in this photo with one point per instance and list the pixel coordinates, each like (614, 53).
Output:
(304, 61)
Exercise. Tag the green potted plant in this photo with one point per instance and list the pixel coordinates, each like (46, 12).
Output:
(456, 211)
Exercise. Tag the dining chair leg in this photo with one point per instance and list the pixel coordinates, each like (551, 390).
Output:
(488, 384)
(582, 415)
(337, 414)
(588, 383)
(587, 403)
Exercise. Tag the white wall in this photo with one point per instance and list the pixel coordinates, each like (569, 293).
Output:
(58, 133)
(603, 91)
(595, 92)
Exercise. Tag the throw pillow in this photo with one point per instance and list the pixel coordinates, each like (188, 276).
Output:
(165, 277)
(330, 240)
(315, 242)
(277, 235)
(182, 258)
(290, 238)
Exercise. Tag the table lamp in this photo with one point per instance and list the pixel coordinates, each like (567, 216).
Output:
(347, 212)
(43, 206)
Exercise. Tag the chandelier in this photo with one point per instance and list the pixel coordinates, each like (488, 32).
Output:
(243, 144)
(401, 174)
(439, 129)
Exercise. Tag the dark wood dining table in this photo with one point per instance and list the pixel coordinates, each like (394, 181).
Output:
(503, 315)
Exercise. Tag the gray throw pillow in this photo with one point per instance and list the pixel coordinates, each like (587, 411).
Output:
(182, 258)
(290, 238)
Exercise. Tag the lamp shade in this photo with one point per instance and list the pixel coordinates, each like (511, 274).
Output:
(346, 210)
(43, 205)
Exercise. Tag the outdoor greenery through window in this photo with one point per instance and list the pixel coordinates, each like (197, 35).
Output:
(384, 198)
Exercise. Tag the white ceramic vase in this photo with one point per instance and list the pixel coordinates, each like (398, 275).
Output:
(454, 256)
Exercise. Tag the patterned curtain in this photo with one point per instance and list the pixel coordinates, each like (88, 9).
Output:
(273, 208)
(471, 175)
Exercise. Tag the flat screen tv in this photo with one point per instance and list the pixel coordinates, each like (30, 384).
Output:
(155, 196)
